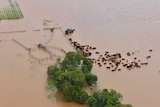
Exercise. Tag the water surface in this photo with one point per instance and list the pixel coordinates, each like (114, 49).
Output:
(112, 25)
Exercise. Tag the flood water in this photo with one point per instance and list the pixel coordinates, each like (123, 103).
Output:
(110, 25)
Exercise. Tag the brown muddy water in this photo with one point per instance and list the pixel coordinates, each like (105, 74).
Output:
(110, 25)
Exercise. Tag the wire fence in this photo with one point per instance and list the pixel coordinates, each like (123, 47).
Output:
(51, 52)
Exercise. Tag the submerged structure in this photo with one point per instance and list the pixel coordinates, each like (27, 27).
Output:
(9, 10)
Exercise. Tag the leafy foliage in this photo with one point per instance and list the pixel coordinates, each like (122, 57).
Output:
(73, 74)
(91, 79)
(124, 105)
(74, 93)
(106, 98)
(73, 86)
(69, 77)
(81, 96)
(72, 60)
(91, 100)
(76, 77)
(77, 60)
(68, 90)
(87, 65)
(50, 84)
(54, 71)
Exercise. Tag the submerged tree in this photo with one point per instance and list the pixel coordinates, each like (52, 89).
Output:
(70, 78)
(76, 77)
(106, 98)
(74, 93)
(91, 79)
(73, 74)
(77, 60)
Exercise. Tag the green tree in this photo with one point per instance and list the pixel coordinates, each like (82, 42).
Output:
(74, 93)
(77, 60)
(87, 65)
(105, 97)
(56, 74)
(76, 77)
(50, 84)
(91, 79)
(68, 91)
(54, 71)
(72, 60)
(70, 77)
(91, 100)
(80, 95)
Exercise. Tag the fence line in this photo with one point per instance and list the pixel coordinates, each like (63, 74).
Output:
(21, 44)
(16, 31)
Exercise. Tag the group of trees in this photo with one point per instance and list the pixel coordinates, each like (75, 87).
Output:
(106, 98)
(71, 77)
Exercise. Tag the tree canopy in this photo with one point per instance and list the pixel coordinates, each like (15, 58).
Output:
(106, 98)
(73, 74)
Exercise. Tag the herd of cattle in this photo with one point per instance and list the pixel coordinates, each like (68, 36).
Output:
(113, 62)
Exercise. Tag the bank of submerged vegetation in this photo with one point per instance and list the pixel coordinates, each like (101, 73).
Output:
(73, 75)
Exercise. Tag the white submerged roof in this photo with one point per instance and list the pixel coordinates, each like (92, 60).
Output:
(9, 9)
